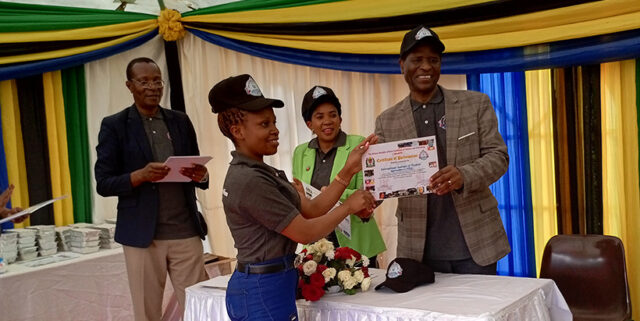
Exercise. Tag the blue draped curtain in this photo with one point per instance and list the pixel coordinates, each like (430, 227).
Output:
(513, 190)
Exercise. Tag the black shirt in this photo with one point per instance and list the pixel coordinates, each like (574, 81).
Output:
(445, 240)
(324, 162)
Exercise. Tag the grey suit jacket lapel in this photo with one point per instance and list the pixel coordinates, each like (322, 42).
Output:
(406, 120)
(452, 109)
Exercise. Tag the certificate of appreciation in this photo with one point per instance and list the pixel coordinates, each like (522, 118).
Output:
(401, 168)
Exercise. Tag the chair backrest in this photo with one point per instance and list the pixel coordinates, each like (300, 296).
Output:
(591, 273)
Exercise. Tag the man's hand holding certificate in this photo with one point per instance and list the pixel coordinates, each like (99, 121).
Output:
(401, 168)
(185, 168)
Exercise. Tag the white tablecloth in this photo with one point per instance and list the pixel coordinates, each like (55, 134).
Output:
(91, 287)
(451, 297)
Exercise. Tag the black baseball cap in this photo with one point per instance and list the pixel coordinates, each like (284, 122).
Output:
(419, 35)
(316, 96)
(240, 92)
(404, 274)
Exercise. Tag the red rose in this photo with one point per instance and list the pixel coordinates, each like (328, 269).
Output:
(317, 280)
(310, 292)
(309, 257)
(304, 251)
(345, 253)
(320, 268)
(342, 253)
(355, 254)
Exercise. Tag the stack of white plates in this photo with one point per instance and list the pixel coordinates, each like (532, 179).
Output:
(107, 234)
(9, 246)
(63, 233)
(46, 238)
(81, 224)
(27, 247)
(85, 240)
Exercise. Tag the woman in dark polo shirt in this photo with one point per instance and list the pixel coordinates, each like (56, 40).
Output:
(265, 212)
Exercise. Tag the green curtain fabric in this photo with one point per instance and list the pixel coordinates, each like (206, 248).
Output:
(20, 17)
(249, 5)
(75, 108)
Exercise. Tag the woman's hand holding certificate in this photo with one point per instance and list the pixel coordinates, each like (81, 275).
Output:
(354, 161)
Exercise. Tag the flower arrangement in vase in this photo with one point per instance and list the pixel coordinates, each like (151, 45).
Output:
(322, 269)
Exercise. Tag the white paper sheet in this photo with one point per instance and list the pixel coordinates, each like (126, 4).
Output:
(344, 226)
(178, 162)
(32, 209)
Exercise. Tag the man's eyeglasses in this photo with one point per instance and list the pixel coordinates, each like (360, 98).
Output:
(150, 84)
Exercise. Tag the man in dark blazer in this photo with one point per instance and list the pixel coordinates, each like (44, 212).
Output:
(456, 229)
(158, 224)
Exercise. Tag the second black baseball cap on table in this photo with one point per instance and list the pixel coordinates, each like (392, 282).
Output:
(240, 92)
(404, 274)
(418, 35)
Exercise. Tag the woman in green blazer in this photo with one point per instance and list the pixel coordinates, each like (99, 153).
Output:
(318, 161)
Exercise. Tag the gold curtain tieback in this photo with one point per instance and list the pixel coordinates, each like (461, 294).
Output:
(169, 25)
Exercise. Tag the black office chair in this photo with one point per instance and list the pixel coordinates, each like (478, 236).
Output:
(591, 273)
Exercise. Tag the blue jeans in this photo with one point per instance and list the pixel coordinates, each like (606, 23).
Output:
(263, 296)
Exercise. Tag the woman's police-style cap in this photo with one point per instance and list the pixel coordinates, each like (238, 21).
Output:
(240, 92)
(316, 96)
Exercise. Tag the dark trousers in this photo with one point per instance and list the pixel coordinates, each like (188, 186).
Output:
(466, 266)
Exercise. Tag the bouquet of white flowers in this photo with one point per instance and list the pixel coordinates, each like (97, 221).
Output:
(323, 268)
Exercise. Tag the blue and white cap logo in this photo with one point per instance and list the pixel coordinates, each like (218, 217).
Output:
(423, 33)
(251, 88)
(318, 92)
(395, 270)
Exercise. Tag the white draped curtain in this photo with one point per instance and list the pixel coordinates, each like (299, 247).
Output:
(363, 97)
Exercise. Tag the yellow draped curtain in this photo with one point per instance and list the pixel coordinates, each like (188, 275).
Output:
(541, 155)
(621, 191)
(13, 147)
(58, 154)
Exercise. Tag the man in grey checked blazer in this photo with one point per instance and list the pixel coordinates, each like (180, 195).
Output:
(456, 229)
